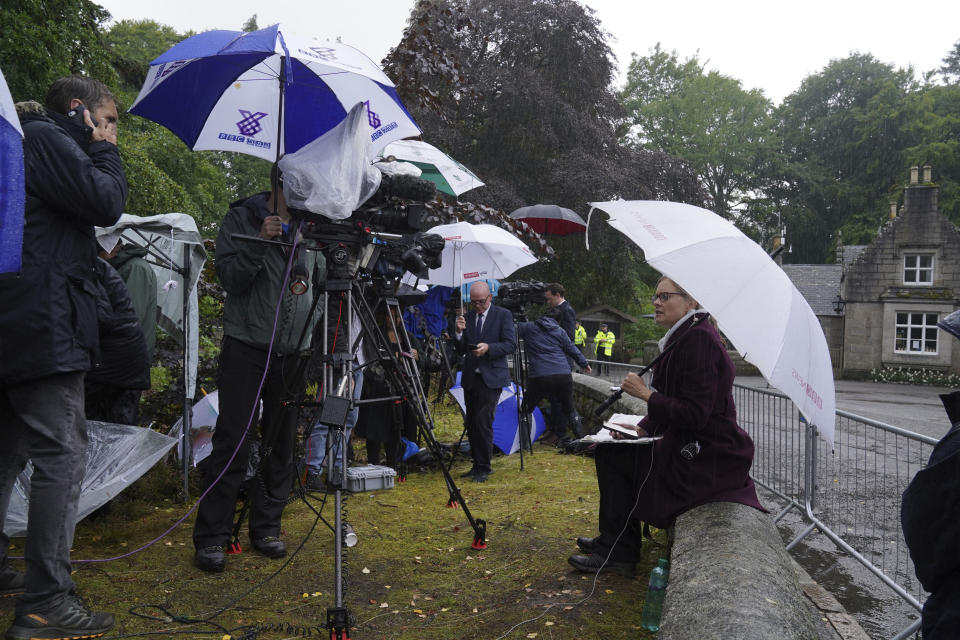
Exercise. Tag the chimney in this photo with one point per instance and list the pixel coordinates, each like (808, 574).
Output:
(926, 174)
(839, 246)
(914, 175)
(893, 209)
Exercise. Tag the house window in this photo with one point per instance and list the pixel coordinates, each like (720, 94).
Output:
(918, 269)
(916, 332)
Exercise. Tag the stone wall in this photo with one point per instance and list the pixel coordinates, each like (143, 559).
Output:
(731, 577)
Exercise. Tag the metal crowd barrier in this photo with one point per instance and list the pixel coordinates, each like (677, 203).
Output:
(851, 494)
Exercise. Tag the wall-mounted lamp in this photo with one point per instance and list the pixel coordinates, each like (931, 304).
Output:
(838, 304)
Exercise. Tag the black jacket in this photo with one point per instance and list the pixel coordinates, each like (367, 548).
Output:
(48, 318)
(123, 359)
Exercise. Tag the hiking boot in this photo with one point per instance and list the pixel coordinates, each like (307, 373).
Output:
(315, 483)
(210, 558)
(70, 620)
(270, 546)
(12, 582)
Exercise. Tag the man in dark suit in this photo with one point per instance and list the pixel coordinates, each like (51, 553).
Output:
(490, 334)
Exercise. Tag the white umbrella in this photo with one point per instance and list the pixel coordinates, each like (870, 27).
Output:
(449, 175)
(753, 300)
(477, 252)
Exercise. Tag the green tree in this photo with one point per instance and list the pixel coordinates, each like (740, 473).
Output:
(521, 92)
(724, 131)
(133, 44)
(843, 134)
(42, 40)
(951, 65)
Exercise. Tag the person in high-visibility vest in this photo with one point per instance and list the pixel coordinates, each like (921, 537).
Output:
(604, 345)
(580, 338)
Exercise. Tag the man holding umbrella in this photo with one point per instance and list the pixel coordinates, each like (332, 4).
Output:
(486, 335)
(48, 337)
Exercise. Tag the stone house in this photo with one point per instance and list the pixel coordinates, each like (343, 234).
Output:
(880, 304)
(898, 288)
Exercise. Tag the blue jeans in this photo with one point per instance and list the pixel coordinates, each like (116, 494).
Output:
(317, 442)
(42, 420)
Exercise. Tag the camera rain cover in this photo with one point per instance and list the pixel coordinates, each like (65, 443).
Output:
(332, 175)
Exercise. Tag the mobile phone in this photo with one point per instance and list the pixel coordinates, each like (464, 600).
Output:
(471, 347)
(77, 115)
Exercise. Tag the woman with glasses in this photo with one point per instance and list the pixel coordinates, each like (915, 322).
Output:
(703, 456)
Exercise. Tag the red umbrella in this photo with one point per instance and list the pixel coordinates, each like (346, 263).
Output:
(549, 218)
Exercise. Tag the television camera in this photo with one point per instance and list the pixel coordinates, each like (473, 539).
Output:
(517, 297)
(387, 231)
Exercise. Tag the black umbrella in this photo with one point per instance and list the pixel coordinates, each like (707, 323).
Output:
(549, 218)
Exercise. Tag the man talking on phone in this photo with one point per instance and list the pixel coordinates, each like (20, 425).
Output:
(486, 335)
(48, 340)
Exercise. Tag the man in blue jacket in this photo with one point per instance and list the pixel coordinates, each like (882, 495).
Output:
(486, 335)
(48, 339)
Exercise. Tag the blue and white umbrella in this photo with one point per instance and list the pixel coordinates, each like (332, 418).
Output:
(253, 92)
(11, 186)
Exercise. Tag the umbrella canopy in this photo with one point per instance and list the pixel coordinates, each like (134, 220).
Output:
(450, 176)
(11, 187)
(477, 252)
(549, 218)
(117, 454)
(506, 426)
(752, 299)
(267, 92)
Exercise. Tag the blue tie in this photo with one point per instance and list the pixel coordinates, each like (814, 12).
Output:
(479, 324)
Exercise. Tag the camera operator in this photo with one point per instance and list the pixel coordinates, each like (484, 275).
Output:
(548, 348)
(74, 180)
(567, 318)
(486, 336)
(261, 356)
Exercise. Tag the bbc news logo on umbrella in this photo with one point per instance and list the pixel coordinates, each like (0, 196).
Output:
(248, 126)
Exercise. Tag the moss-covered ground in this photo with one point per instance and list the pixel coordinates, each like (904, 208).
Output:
(413, 574)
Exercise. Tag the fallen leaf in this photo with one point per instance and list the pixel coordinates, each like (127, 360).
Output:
(531, 635)
(365, 570)
(384, 605)
(445, 609)
(771, 601)
(548, 623)
(608, 590)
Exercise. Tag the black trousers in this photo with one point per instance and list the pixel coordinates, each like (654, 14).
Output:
(241, 368)
(481, 403)
(42, 421)
(621, 469)
(602, 368)
(559, 389)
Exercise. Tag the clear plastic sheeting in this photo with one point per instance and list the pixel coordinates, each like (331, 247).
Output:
(332, 175)
(117, 455)
(175, 251)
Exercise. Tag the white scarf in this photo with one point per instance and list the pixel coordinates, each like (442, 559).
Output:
(663, 340)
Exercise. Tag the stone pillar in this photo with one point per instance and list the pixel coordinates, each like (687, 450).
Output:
(926, 174)
(914, 175)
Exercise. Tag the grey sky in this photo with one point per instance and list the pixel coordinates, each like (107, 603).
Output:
(766, 45)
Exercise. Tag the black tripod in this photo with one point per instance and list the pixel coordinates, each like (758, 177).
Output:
(524, 417)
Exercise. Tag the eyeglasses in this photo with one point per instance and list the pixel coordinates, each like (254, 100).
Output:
(663, 296)
(481, 300)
